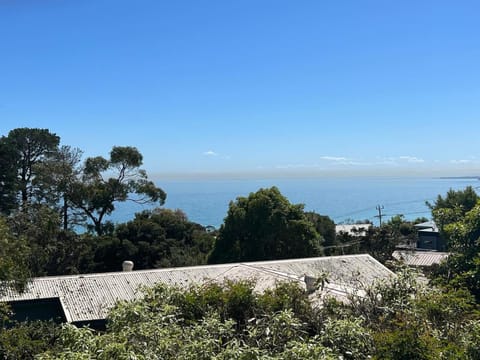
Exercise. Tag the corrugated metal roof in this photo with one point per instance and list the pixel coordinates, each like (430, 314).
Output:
(427, 226)
(420, 258)
(88, 297)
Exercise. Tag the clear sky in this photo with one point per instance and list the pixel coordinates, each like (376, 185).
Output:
(250, 86)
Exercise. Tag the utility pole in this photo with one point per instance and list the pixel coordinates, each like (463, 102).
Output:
(379, 208)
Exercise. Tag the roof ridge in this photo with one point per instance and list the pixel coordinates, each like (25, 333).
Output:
(207, 266)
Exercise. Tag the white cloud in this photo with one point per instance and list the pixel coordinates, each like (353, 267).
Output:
(462, 161)
(297, 166)
(411, 159)
(340, 160)
(358, 163)
(334, 158)
(343, 162)
(399, 160)
(214, 154)
(210, 153)
(387, 161)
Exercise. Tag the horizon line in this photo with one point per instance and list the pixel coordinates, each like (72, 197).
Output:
(266, 174)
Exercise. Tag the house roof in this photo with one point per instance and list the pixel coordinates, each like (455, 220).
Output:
(427, 226)
(420, 258)
(89, 297)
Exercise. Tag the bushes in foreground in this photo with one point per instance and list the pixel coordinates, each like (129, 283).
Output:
(392, 320)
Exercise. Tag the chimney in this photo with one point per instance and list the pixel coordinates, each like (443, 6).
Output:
(310, 283)
(127, 265)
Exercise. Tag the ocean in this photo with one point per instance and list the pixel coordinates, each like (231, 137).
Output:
(343, 199)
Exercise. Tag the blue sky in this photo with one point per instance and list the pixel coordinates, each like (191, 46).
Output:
(250, 87)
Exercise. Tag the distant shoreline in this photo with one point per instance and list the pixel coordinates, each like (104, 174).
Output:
(460, 177)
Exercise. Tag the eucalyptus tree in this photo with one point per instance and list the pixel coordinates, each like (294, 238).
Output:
(27, 148)
(8, 178)
(55, 178)
(14, 253)
(104, 182)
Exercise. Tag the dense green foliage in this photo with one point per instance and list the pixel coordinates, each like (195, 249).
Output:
(398, 319)
(58, 176)
(95, 194)
(26, 340)
(47, 192)
(29, 148)
(379, 242)
(459, 216)
(453, 206)
(158, 238)
(8, 178)
(265, 226)
(326, 228)
(14, 253)
(35, 170)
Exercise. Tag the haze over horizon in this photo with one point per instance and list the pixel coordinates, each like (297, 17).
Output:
(250, 89)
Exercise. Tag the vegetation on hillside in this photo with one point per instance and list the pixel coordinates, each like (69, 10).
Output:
(265, 226)
(400, 319)
(48, 193)
(55, 206)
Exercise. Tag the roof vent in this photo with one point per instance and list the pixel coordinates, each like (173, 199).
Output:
(127, 265)
(310, 283)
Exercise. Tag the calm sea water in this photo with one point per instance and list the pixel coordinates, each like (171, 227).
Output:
(341, 198)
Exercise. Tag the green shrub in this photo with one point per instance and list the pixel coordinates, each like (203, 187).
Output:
(405, 343)
(26, 340)
(348, 337)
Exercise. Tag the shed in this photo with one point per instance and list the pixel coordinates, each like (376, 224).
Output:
(429, 236)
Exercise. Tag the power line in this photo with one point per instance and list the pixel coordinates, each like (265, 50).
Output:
(399, 212)
(389, 204)
(407, 213)
(379, 208)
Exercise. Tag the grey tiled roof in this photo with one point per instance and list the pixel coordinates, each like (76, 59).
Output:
(420, 258)
(89, 297)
